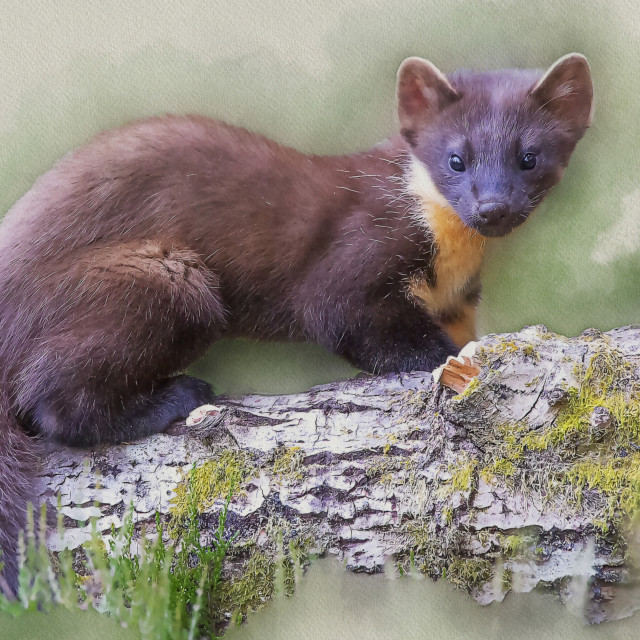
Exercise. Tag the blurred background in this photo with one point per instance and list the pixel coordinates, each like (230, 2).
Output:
(320, 76)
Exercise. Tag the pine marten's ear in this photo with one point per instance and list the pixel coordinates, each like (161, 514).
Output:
(566, 91)
(423, 90)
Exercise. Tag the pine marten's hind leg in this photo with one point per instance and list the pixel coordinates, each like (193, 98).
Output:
(105, 371)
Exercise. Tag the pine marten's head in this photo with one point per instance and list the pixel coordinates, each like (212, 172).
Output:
(493, 143)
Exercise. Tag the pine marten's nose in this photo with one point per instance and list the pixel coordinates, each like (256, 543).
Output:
(492, 212)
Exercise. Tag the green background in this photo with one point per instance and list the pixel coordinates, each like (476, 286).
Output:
(320, 76)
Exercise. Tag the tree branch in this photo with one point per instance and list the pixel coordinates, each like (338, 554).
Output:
(528, 476)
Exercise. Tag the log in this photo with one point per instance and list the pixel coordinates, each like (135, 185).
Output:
(527, 475)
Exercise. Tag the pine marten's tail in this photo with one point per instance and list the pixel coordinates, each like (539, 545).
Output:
(18, 459)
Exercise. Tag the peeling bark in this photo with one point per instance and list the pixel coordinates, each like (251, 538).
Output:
(402, 470)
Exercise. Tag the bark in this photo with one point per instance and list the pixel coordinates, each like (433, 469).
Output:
(523, 479)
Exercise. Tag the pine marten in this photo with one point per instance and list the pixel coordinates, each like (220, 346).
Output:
(130, 257)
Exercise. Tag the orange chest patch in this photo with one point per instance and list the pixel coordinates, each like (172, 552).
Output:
(459, 249)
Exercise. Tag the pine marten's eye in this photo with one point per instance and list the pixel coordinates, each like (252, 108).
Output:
(528, 161)
(455, 162)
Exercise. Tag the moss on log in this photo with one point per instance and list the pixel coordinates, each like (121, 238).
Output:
(527, 476)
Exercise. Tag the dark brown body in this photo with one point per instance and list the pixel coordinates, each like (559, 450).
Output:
(251, 237)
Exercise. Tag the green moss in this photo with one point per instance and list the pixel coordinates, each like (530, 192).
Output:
(472, 387)
(602, 458)
(426, 550)
(504, 346)
(592, 445)
(447, 515)
(504, 454)
(252, 589)
(211, 481)
(618, 479)
(421, 535)
(517, 545)
(431, 543)
(287, 463)
(587, 456)
(598, 387)
(498, 467)
(468, 573)
(511, 434)
(289, 577)
(463, 475)
(506, 581)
